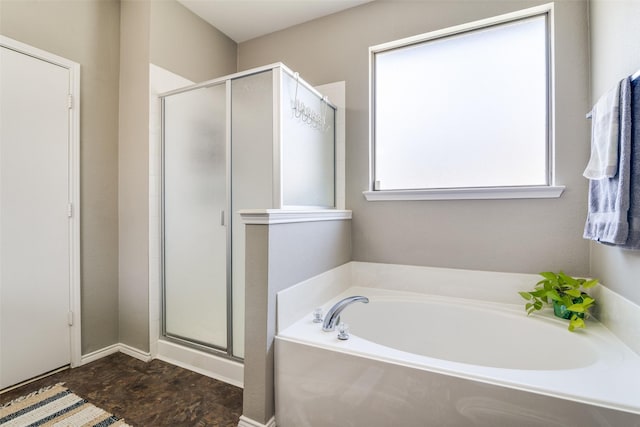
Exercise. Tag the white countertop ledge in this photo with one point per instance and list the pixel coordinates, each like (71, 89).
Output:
(285, 216)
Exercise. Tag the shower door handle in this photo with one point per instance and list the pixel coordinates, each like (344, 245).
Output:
(222, 218)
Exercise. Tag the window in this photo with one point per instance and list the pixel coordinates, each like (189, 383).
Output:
(465, 112)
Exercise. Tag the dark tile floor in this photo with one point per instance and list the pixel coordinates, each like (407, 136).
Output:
(150, 394)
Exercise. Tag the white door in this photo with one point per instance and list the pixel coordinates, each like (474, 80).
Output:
(34, 219)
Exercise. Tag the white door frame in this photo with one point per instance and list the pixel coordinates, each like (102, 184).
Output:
(74, 183)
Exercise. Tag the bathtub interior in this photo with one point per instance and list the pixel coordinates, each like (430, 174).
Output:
(460, 330)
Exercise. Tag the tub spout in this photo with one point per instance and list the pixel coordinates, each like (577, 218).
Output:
(333, 315)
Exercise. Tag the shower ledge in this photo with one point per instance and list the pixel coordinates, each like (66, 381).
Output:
(284, 216)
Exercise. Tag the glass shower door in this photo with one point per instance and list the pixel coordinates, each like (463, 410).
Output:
(194, 217)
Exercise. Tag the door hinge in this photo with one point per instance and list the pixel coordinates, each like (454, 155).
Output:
(70, 210)
(70, 101)
(70, 318)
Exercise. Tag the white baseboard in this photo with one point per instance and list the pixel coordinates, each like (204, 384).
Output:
(99, 354)
(225, 370)
(134, 352)
(115, 348)
(248, 422)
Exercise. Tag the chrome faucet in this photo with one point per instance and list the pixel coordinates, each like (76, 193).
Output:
(333, 315)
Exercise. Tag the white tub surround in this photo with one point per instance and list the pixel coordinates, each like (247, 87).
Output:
(419, 356)
(618, 314)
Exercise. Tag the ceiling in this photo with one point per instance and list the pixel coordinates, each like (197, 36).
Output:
(243, 20)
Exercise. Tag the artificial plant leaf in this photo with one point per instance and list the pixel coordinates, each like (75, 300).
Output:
(577, 308)
(553, 295)
(537, 305)
(587, 300)
(590, 283)
(576, 322)
(549, 275)
(573, 292)
(541, 282)
(525, 295)
(569, 280)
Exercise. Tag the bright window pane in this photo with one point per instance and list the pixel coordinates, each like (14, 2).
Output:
(467, 110)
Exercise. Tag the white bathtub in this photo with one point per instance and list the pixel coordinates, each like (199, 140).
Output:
(423, 360)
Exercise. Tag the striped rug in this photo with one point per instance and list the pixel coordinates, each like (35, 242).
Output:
(55, 406)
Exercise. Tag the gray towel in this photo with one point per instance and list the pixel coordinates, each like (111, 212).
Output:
(633, 241)
(609, 198)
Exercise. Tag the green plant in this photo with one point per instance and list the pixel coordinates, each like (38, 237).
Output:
(561, 290)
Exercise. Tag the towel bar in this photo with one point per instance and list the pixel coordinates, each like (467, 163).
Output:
(633, 77)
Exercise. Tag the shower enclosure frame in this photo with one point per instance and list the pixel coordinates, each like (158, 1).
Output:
(279, 70)
(189, 342)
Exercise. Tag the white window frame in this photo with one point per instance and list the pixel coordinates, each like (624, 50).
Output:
(550, 190)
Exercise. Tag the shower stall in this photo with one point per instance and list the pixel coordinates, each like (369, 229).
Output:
(260, 139)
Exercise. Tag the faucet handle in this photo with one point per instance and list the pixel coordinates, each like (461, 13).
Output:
(317, 315)
(343, 331)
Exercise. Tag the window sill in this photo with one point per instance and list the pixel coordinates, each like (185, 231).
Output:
(542, 192)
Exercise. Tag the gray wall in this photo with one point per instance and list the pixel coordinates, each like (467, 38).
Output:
(504, 235)
(185, 44)
(133, 176)
(277, 257)
(615, 53)
(166, 34)
(86, 32)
